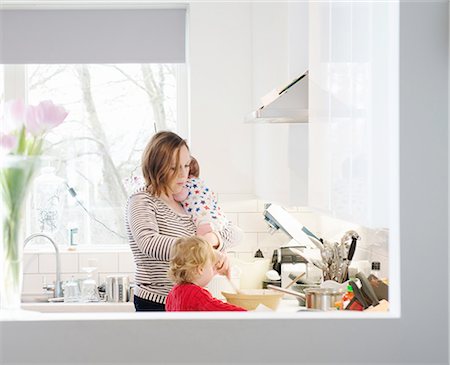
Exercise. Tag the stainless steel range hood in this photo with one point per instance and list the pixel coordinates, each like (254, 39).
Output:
(287, 104)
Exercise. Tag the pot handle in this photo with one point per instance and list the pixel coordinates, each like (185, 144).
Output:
(287, 291)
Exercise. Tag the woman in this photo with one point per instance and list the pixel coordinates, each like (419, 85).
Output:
(155, 220)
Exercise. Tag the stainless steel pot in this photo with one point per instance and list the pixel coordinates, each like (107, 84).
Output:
(300, 288)
(323, 299)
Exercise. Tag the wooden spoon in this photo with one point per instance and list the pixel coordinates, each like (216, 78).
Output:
(295, 280)
(233, 286)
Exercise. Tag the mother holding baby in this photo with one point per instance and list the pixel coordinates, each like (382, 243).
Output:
(161, 212)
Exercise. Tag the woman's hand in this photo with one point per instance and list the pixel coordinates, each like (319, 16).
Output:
(212, 239)
(204, 228)
(222, 264)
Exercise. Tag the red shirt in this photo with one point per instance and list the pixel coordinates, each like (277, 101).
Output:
(191, 297)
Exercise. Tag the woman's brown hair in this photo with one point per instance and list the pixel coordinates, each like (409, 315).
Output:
(157, 161)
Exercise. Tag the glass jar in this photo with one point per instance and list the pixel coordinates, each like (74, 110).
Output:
(71, 291)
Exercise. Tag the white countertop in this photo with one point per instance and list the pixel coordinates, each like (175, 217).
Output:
(288, 308)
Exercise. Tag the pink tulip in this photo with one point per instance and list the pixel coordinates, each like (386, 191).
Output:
(43, 117)
(14, 111)
(8, 142)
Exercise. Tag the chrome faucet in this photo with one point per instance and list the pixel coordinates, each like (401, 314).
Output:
(57, 290)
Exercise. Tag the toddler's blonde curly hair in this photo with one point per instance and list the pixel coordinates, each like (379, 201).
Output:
(187, 256)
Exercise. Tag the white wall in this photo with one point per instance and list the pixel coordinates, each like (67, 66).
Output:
(280, 54)
(220, 79)
(298, 38)
(238, 52)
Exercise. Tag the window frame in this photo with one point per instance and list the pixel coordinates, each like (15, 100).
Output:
(15, 87)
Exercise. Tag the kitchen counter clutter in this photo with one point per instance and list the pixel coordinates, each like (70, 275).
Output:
(288, 309)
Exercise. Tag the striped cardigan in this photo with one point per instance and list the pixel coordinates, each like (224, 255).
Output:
(152, 228)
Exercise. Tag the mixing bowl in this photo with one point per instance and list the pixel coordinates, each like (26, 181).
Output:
(251, 298)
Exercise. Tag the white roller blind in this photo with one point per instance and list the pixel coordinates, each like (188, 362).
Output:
(92, 36)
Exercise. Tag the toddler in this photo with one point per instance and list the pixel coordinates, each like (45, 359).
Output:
(199, 201)
(192, 266)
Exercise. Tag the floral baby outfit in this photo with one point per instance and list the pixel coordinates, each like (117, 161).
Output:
(201, 202)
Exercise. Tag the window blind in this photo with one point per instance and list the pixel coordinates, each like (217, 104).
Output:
(52, 36)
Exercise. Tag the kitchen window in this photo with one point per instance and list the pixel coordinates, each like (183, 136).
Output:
(113, 111)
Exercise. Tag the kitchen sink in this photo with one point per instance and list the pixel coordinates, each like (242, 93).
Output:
(78, 307)
(36, 298)
(40, 303)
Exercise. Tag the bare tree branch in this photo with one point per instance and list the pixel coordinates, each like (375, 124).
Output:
(72, 139)
(99, 133)
(156, 98)
(45, 79)
(149, 81)
(168, 68)
(83, 176)
(81, 154)
(129, 78)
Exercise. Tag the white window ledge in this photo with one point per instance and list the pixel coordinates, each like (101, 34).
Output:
(47, 248)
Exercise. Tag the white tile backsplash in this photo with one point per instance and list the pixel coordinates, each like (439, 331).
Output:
(246, 256)
(261, 204)
(68, 263)
(238, 203)
(232, 217)
(79, 275)
(249, 243)
(333, 229)
(242, 209)
(361, 253)
(33, 283)
(250, 239)
(40, 267)
(309, 220)
(372, 246)
(275, 240)
(30, 263)
(126, 262)
(106, 262)
(252, 222)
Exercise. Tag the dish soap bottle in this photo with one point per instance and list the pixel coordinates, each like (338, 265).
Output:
(347, 297)
(89, 290)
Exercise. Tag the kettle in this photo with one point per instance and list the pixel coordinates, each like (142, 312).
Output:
(117, 288)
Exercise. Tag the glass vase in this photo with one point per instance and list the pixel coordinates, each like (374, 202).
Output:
(16, 173)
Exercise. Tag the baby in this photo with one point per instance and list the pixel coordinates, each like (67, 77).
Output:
(192, 266)
(199, 201)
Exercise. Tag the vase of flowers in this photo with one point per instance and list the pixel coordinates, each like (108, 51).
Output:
(21, 141)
